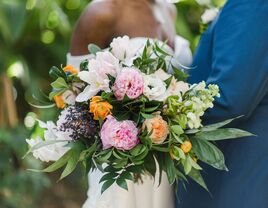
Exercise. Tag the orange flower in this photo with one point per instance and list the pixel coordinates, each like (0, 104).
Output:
(59, 101)
(159, 128)
(186, 146)
(100, 109)
(71, 69)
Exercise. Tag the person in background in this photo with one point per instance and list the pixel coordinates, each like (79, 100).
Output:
(100, 22)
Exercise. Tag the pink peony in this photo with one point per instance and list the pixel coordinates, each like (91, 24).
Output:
(129, 82)
(121, 135)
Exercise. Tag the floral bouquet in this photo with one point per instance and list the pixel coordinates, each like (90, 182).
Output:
(127, 111)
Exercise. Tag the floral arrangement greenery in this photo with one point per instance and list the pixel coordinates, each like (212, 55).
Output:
(127, 111)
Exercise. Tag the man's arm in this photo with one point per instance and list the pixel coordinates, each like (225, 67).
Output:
(240, 60)
(95, 25)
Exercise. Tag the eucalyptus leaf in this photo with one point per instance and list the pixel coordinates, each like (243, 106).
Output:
(93, 49)
(209, 153)
(218, 125)
(222, 134)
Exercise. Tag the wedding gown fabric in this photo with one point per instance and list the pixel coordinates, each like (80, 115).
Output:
(148, 194)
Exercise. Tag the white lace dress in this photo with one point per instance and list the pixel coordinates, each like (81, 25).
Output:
(140, 195)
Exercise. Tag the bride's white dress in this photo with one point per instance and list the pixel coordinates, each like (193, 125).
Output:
(140, 195)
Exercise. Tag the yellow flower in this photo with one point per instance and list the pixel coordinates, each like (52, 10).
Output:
(100, 109)
(186, 146)
(159, 128)
(59, 101)
(71, 69)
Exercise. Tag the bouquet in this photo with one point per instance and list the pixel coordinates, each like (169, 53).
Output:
(127, 111)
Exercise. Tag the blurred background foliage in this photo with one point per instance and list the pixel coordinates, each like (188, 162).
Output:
(34, 35)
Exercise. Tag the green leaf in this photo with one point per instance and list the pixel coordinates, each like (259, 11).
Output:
(107, 184)
(147, 116)
(179, 74)
(135, 169)
(168, 81)
(108, 176)
(177, 130)
(59, 163)
(187, 165)
(179, 153)
(93, 49)
(60, 83)
(222, 134)
(122, 183)
(151, 109)
(197, 177)
(73, 160)
(55, 73)
(209, 153)
(126, 175)
(150, 165)
(56, 92)
(218, 125)
(170, 169)
(160, 148)
(139, 149)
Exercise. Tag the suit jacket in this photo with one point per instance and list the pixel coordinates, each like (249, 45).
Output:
(233, 53)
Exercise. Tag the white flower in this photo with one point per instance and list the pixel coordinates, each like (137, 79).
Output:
(96, 83)
(193, 121)
(124, 49)
(51, 152)
(105, 63)
(209, 15)
(161, 74)
(177, 88)
(68, 97)
(154, 88)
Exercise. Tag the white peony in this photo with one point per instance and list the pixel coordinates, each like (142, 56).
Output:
(209, 15)
(51, 152)
(124, 49)
(154, 88)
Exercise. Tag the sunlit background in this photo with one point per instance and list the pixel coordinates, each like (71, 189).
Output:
(34, 35)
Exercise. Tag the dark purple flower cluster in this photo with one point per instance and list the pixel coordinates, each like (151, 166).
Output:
(78, 121)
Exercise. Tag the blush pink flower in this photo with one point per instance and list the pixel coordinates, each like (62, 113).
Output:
(129, 82)
(121, 135)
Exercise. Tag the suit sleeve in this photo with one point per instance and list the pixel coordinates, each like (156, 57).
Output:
(239, 61)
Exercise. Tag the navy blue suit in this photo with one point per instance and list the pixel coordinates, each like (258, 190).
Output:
(233, 53)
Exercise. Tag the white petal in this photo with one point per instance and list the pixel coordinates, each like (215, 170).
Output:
(88, 93)
(86, 76)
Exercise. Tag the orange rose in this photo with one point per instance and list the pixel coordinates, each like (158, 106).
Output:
(186, 146)
(159, 128)
(100, 109)
(59, 101)
(71, 69)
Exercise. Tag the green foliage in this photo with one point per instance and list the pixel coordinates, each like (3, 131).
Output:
(18, 186)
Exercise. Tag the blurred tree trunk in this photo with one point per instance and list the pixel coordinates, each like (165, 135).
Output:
(8, 111)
